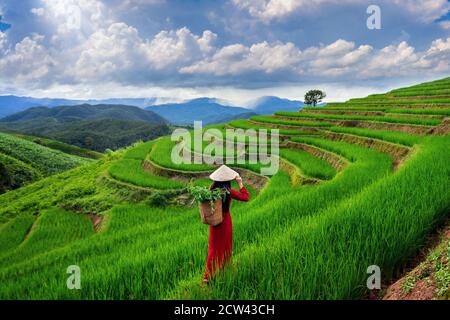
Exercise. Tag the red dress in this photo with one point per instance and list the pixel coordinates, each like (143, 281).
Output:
(220, 245)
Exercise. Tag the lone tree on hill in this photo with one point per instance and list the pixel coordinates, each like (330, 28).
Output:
(313, 97)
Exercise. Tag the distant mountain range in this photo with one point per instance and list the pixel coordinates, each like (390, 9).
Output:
(205, 109)
(115, 124)
(12, 104)
(86, 112)
(270, 104)
(209, 110)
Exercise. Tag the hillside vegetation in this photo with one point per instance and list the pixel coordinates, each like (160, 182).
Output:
(64, 147)
(86, 112)
(360, 183)
(97, 127)
(23, 161)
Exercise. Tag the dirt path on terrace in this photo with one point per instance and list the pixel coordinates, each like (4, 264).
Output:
(429, 276)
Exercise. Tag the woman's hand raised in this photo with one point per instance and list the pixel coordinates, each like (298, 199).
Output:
(239, 181)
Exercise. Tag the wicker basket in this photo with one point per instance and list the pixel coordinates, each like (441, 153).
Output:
(211, 215)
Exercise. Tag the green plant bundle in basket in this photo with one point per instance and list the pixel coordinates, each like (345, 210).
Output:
(210, 204)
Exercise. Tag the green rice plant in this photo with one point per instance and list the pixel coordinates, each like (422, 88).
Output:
(139, 150)
(418, 121)
(245, 124)
(308, 164)
(53, 228)
(65, 189)
(435, 86)
(345, 108)
(386, 135)
(257, 221)
(326, 256)
(151, 230)
(388, 99)
(290, 242)
(275, 121)
(131, 171)
(419, 111)
(395, 102)
(13, 232)
(421, 93)
(125, 218)
(161, 155)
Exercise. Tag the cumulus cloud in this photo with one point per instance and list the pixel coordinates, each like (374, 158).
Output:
(104, 50)
(340, 60)
(171, 49)
(107, 52)
(425, 10)
(75, 18)
(437, 57)
(237, 59)
(268, 10)
(28, 61)
(118, 52)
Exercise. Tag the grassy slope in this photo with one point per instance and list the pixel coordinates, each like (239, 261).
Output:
(15, 173)
(47, 161)
(292, 242)
(66, 148)
(24, 160)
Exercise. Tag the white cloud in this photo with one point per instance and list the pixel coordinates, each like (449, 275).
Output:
(28, 61)
(107, 52)
(102, 50)
(3, 40)
(74, 19)
(445, 24)
(232, 95)
(338, 47)
(118, 52)
(424, 10)
(268, 10)
(391, 60)
(339, 60)
(437, 57)
(237, 59)
(38, 11)
(171, 49)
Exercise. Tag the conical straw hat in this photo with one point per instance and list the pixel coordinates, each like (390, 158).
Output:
(223, 174)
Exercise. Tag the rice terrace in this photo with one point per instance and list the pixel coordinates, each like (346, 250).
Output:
(361, 183)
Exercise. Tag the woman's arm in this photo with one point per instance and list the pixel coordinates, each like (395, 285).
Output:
(242, 194)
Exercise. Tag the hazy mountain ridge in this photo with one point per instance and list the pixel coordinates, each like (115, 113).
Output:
(209, 110)
(86, 112)
(11, 104)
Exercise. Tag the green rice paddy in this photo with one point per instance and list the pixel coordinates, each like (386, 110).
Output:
(291, 241)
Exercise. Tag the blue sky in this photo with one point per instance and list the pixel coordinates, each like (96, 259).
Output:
(235, 49)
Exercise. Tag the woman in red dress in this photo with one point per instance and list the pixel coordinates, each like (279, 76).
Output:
(220, 244)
